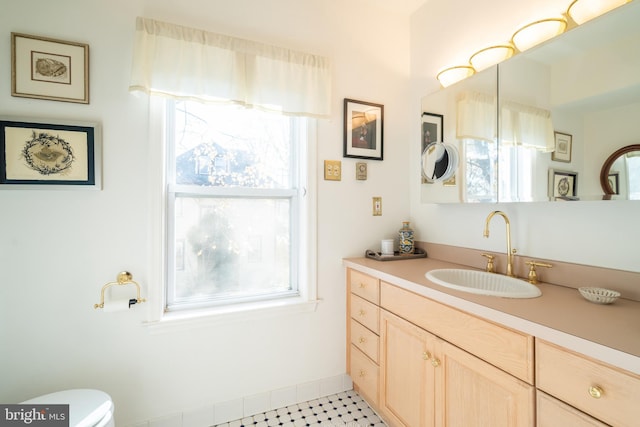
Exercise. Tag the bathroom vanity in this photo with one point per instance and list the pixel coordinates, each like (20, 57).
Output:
(425, 355)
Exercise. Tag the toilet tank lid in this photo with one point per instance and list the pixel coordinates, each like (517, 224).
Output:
(86, 406)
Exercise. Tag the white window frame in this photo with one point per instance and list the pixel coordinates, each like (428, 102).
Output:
(160, 246)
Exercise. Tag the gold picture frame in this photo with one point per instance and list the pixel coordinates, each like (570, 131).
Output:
(562, 151)
(45, 68)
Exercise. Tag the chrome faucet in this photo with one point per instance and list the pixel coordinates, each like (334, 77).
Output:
(509, 251)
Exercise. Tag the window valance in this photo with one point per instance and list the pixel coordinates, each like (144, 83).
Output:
(520, 124)
(186, 63)
(526, 126)
(476, 116)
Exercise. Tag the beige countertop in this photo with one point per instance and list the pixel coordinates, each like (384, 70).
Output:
(610, 333)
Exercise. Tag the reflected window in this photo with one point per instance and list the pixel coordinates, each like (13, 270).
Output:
(480, 183)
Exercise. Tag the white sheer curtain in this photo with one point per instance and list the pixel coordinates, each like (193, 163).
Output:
(186, 63)
(476, 116)
(526, 126)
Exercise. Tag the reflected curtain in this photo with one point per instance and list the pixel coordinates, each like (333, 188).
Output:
(476, 116)
(186, 63)
(526, 126)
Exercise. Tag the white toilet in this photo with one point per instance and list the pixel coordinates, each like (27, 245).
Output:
(87, 408)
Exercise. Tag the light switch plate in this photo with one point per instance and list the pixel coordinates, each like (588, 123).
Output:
(377, 206)
(332, 170)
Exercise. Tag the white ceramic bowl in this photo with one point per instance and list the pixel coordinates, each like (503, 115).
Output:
(599, 295)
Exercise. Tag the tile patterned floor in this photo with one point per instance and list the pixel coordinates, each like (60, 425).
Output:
(346, 409)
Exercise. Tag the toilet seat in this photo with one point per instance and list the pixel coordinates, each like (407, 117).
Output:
(87, 407)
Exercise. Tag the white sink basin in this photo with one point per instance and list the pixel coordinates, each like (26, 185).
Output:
(483, 283)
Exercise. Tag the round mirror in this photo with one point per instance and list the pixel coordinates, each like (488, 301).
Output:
(439, 161)
(620, 174)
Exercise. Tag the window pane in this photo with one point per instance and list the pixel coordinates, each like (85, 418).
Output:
(230, 248)
(229, 146)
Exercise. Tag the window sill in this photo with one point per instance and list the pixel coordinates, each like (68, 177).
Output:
(188, 319)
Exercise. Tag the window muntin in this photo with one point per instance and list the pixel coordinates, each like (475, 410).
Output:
(233, 205)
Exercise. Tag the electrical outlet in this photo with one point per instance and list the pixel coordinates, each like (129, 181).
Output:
(377, 206)
(332, 170)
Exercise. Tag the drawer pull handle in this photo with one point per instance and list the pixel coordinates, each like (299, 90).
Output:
(595, 392)
(362, 340)
(426, 355)
(363, 313)
(435, 362)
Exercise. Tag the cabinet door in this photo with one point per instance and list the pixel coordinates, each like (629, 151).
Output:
(406, 375)
(471, 392)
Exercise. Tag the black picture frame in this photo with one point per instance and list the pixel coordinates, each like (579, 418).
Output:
(363, 130)
(49, 154)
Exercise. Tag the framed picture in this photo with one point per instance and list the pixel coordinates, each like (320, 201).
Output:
(432, 128)
(363, 129)
(46, 154)
(614, 182)
(51, 69)
(562, 151)
(563, 185)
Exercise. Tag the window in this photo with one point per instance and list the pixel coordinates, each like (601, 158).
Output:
(236, 186)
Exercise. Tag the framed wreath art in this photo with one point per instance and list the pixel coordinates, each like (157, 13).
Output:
(45, 154)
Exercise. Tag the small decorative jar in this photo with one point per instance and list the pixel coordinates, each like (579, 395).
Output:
(406, 245)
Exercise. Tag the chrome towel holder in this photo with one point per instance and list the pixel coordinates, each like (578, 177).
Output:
(123, 278)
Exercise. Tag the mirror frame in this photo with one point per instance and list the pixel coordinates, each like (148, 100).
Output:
(606, 168)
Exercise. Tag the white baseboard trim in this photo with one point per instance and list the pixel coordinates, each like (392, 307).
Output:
(248, 406)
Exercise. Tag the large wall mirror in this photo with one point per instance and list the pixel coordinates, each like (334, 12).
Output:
(545, 124)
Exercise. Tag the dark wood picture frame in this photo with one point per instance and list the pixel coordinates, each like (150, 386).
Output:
(363, 130)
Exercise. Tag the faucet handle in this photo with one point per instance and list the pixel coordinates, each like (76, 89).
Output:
(533, 275)
(490, 267)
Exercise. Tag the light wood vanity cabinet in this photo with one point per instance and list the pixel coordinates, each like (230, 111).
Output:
(420, 363)
(607, 393)
(427, 381)
(363, 344)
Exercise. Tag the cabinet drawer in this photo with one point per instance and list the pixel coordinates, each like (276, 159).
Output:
(607, 393)
(364, 374)
(365, 340)
(553, 413)
(366, 286)
(365, 312)
(505, 348)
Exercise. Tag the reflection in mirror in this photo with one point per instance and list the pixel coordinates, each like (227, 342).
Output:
(589, 81)
(439, 162)
(582, 87)
(468, 110)
(620, 174)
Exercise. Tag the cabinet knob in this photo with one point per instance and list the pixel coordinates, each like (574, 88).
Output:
(362, 313)
(426, 355)
(362, 340)
(435, 362)
(363, 373)
(363, 285)
(596, 392)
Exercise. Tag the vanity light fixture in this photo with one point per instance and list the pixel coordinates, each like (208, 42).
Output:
(452, 75)
(537, 32)
(582, 11)
(489, 56)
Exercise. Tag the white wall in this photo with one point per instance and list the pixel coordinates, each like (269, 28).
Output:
(57, 248)
(597, 233)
